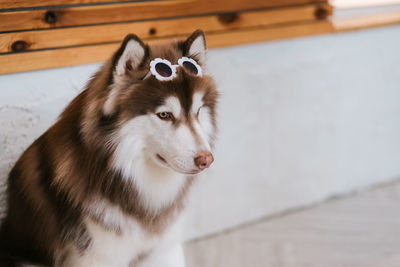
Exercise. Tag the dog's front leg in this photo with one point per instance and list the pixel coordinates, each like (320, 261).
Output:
(165, 257)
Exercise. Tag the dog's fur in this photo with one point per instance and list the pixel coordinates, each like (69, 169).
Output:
(106, 184)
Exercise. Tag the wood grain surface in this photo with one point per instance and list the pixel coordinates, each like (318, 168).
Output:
(47, 34)
(74, 36)
(10, 4)
(89, 15)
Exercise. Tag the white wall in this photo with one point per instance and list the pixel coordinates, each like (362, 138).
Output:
(362, 3)
(301, 120)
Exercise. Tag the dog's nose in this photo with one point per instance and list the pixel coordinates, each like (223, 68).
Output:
(203, 160)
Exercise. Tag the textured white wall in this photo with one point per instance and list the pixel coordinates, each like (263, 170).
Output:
(362, 3)
(301, 120)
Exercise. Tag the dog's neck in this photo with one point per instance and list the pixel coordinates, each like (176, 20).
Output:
(152, 194)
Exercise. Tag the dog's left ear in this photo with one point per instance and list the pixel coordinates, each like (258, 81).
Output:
(129, 56)
(195, 46)
(125, 67)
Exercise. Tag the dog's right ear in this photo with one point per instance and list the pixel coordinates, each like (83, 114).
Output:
(195, 46)
(129, 56)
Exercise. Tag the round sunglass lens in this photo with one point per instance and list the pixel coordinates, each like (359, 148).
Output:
(190, 67)
(163, 69)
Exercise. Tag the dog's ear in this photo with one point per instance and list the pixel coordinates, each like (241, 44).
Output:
(195, 46)
(125, 68)
(129, 56)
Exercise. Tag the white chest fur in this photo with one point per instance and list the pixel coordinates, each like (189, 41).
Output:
(158, 187)
(120, 248)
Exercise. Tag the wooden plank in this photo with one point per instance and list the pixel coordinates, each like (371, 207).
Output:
(11, 63)
(247, 36)
(7, 4)
(55, 58)
(33, 40)
(368, 21)
(89, 15)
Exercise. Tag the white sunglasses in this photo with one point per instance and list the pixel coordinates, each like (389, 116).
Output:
(163, 70)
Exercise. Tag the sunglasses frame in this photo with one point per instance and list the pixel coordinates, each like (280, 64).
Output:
(182, 60)
(191, 60)
(153, 70)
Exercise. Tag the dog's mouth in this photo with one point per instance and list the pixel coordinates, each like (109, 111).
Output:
(165, 163)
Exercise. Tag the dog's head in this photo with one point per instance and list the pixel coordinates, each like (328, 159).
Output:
(161, 105)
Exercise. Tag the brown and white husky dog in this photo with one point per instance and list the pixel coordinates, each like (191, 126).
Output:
(106, 184)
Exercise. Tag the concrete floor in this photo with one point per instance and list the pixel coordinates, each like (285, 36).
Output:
(358, 230)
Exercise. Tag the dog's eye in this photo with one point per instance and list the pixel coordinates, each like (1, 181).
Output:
(165, 115)
(198, 111)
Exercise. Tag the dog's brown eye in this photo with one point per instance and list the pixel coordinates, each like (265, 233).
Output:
(165, 115)
(190, 67)
(198, 111)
